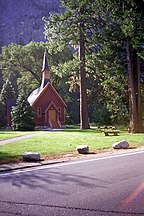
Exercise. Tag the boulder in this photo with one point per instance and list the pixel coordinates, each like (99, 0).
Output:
(31, 156)
(121, 145)
(83, 149)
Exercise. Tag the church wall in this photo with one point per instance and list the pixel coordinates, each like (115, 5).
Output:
(43, 103)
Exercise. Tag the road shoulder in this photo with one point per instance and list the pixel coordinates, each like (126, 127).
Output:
(65, 158)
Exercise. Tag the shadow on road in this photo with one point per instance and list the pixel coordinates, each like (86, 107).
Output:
(48, 178)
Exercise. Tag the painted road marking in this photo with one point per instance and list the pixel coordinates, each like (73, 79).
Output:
(70, 163)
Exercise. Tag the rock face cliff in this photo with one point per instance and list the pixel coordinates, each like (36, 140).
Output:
(21, 20)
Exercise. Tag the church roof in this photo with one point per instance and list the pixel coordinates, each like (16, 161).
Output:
(45, 63)
(35, 95)
(32, 97)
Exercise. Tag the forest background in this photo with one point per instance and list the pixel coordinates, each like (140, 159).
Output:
(113, 41)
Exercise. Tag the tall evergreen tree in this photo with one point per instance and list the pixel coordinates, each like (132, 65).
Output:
(129, 15)
(7, 93)
(70, 27)
(22, 115)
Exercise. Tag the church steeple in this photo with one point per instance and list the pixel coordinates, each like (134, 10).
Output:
(45, 62)
(45, 71)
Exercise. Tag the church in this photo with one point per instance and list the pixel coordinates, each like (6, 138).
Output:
(47, 104)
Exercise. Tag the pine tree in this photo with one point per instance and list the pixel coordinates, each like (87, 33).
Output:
(71, 28)
(129, 15)
(22, 115)
(7, 91)
(93, 24)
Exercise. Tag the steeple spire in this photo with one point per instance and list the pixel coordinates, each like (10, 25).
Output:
(45, 71)
(45, 62)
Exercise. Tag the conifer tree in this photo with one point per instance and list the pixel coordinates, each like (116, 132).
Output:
(7, 91)
(92, 24)
(129, 16)
(22, 115)
(71, 27)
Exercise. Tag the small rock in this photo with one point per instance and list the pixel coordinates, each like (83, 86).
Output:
(83, 149)
(122, 144)
(31, 156)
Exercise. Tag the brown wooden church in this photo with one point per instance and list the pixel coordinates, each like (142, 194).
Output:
(48, 105)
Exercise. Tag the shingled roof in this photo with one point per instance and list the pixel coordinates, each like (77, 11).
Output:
(33, 96)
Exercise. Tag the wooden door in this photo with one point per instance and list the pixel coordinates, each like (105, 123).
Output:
(52, 119)
(52, 115)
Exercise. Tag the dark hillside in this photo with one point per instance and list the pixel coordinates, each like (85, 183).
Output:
(21, 20)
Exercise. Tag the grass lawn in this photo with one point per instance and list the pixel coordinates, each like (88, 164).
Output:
(66, 141)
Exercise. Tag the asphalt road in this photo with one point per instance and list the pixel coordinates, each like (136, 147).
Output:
(102, 186)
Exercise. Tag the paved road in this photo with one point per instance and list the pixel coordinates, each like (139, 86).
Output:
(102, 186)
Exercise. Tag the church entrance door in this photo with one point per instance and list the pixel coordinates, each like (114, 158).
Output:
(52, 115)
(53, 119)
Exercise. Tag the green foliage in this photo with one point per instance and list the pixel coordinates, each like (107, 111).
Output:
(22, 115)
(107, 86)
(72, 101)
(7, 92)
(129, 15)
(107, 25)
(22, 64)
(77, 27)
(101, 115)
(105, 56)
(124, 21)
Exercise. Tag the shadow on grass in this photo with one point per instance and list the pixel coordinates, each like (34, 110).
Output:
(5, 157)
(91, 130)
(5, 132)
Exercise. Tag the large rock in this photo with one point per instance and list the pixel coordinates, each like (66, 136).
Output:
(83, 149)
(121, 145)
(31, 156)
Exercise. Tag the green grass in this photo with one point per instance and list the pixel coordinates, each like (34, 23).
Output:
(66, 141)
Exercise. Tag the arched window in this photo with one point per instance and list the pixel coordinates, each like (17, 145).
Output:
(39, 113)
(59, 111)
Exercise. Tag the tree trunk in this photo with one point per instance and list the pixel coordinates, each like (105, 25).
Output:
(134, 90)
(84, 123)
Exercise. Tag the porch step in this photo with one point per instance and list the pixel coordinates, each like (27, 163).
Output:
(55, 125)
